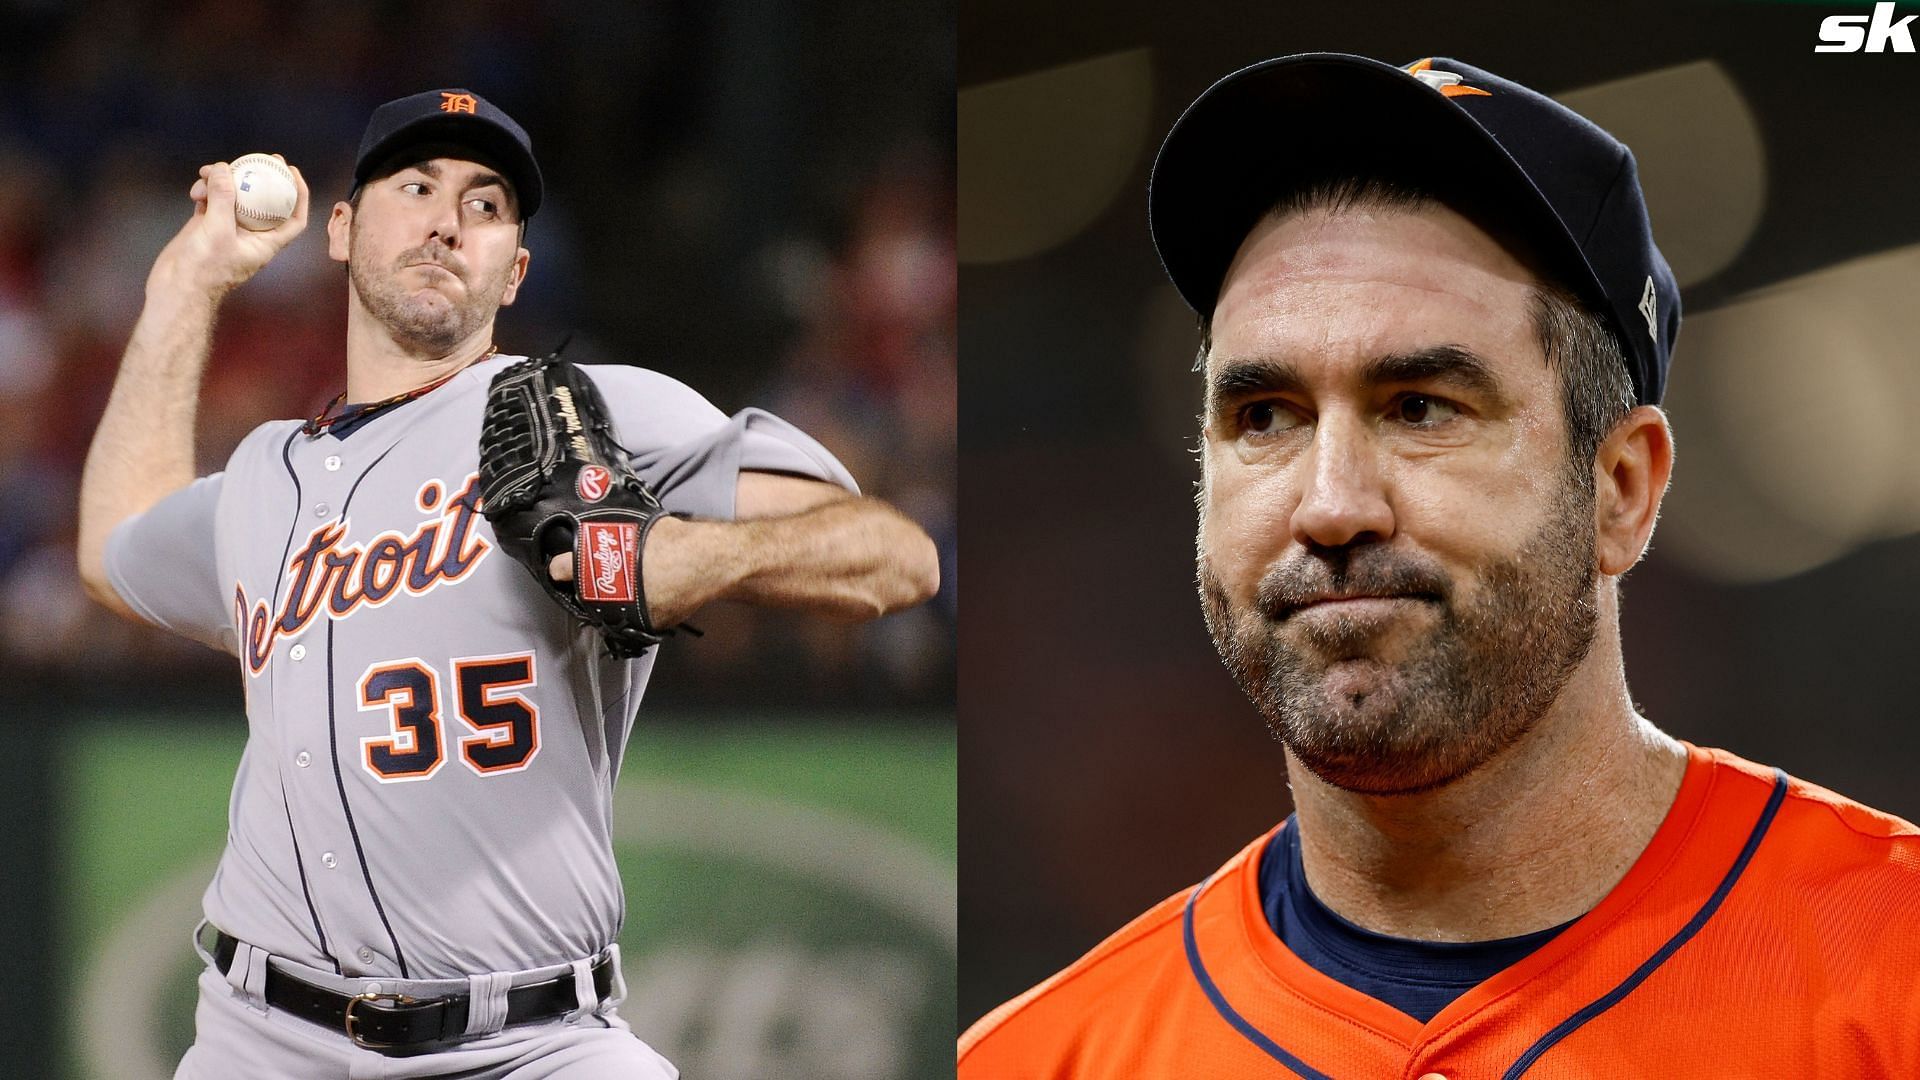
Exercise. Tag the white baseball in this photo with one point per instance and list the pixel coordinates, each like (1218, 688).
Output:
(263, 192)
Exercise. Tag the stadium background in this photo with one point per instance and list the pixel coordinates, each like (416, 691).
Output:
(755, 197)
(1106, 759)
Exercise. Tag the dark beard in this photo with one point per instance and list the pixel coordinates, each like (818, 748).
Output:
(436, 331)
(1471, 686)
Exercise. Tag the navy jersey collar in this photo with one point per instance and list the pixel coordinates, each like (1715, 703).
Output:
(1417, 977)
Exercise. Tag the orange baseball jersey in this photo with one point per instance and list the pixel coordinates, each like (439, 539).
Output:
(1770, 929)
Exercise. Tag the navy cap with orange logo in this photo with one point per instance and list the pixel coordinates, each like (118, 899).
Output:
(456, 118)
(1568, 189)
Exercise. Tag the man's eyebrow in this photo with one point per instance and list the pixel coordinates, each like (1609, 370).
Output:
(1455, 364)
(1235, 379)
(495, 180)
(479, 180)
(488, 179)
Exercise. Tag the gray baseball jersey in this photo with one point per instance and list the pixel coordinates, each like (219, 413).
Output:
(432, 741)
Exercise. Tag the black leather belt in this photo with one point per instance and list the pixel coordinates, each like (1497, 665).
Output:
(397, 1022)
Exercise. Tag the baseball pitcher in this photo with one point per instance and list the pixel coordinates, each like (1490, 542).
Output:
(444, 598)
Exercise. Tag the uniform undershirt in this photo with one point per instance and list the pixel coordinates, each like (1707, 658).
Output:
(353, 417)
(1417, 977)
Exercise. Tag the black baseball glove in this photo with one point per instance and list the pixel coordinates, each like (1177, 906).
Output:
(554, 478)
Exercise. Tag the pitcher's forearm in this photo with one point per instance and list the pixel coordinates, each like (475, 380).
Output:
(143, 448)
(851, 559)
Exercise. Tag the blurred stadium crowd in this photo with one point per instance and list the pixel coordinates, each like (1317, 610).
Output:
(755, 198)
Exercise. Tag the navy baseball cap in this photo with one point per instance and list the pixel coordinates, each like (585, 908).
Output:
(1548, 175)
(459, 118)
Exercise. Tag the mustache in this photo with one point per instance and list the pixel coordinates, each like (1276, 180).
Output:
(436, 254)
(1346, 573)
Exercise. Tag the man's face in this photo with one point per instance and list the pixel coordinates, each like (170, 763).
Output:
(433, 250)
(1396, 556)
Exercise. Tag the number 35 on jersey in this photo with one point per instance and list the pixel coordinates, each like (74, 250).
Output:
(503, 727)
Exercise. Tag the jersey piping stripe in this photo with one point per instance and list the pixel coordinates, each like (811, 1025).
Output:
(1567, 1027)
(333, 740)
(1612, 997)
(286, 458)
(1239, 1023)
(305, 892)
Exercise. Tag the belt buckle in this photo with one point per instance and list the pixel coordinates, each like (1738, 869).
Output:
(362, 1041)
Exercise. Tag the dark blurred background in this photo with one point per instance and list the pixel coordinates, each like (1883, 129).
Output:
(1106, 760)
(754, 196)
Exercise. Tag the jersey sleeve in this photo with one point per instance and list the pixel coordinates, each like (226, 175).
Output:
(691, 453)
(162, 564)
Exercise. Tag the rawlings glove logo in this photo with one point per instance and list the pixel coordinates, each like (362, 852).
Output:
(608, 548)
(594, 483)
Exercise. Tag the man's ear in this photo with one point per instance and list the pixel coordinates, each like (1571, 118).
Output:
(339, 231)
(1631, 471)
(518, 275)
